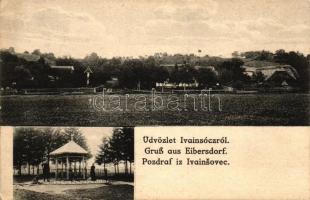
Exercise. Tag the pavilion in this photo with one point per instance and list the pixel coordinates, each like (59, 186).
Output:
(66, 159)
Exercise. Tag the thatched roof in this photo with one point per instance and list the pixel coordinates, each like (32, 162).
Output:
(69, 148)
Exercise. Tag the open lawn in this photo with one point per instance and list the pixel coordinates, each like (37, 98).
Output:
(79, 110)
(110, 192)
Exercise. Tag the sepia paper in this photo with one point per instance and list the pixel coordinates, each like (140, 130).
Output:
(264, 163)
(154, 99)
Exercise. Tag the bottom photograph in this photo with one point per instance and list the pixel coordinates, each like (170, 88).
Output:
(66, 163)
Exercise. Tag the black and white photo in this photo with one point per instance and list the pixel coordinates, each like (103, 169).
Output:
(128, 63)
(73, 163)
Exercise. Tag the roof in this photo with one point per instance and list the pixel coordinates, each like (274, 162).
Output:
(69, 148)
(62, 67)
(88, 70)
(281, 74)
(204, 67)
(269, 70)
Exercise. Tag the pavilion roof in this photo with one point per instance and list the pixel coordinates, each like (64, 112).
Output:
(69, 148)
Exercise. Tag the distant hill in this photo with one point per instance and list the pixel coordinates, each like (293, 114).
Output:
(28, 57)
(259, 63)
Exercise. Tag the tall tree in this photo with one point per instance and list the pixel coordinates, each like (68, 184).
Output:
(206, 77)
(299, 62)
(231, 72)
(104, 156)
(120, 147)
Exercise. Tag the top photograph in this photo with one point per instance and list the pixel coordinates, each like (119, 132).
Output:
(154, 62)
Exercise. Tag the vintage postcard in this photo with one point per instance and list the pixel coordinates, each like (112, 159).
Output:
(154, 99)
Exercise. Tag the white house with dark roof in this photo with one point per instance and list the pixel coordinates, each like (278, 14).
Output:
(62, 68)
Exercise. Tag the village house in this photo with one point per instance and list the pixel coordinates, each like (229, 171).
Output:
(277, 74)
(112, 83)
(211, 68)
(171, 67)
(168, 85)
(69, 69)
(59, 71)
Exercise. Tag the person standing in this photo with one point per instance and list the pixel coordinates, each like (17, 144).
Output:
(106, 175)
(92, 173)
(46, 171)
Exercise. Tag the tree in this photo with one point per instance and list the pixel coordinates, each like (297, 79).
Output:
(128, 145)
(206, 77)
(258, 55)
(36, 52)
(39, 71)
(299, 62)
(23, 77)
(104, 156)
(265, 55)
(183, 74)
(21, 145)
(235, 54)
(92, 59)
(132, 73)
(120, 147)
(28, 147)
(230, 71)
(75, 79)
(8, 62)
(11, 50)
(258, 77)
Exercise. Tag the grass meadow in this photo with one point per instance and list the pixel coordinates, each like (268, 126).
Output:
(80, 110)
(112, 192)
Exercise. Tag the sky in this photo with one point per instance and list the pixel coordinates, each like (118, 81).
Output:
(93, 136)
(143, 27)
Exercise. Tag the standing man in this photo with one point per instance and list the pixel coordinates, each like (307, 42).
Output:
(106, 175)
(92, 173)
(46, 171)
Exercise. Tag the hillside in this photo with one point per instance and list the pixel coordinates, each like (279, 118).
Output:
(259, 63)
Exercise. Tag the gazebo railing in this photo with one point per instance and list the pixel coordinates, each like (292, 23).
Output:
(77, 174)
(62, 175)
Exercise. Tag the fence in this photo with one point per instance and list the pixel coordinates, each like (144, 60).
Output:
(59, 91)
(73, 174)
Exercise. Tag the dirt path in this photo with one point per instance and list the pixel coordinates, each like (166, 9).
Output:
(51, 188)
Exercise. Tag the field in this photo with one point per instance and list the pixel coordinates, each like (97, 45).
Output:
(113, 192)
(87, 110)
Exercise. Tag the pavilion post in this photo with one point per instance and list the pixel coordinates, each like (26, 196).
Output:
(62, 168)
(80, 168)
(56, 174)
(85, 167)
(67, 168)
(83, 161)
(74, 166)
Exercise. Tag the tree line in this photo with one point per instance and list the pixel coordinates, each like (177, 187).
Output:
(32, 70)
(116, 149)
(32, 146)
